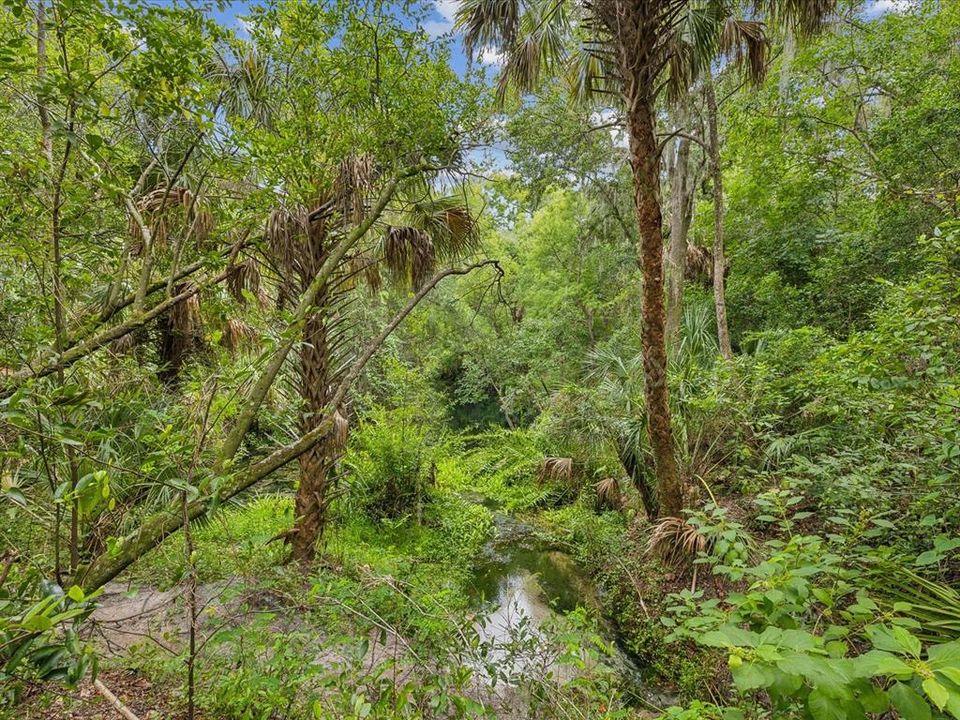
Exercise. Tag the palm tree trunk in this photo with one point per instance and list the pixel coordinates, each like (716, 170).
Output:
(313, 492)
(645, 163)
(719, 261)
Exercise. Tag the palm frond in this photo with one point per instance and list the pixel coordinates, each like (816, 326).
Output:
(555, 469)
(244, 280)
(676, 541)
(488, 23)
(448, 222)
(746, 43)
(805, 17)
(935, 606)
(609, 494)
(539, 48)
(590, 74)
(246, 85)
(352, 185)
(409, 254)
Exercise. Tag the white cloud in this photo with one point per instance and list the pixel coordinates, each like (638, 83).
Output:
(447, 10)
(882, 7)
(489, 56)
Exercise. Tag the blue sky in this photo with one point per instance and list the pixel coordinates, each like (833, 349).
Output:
(441, 18)
(438, 22)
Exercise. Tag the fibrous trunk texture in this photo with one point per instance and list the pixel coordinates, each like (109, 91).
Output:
(645, 163)
(316, 389)
(315, 464)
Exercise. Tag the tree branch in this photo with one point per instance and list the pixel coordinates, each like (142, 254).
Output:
(156, 528)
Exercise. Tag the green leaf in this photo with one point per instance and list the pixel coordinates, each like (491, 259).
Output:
(877, 662)
(909, 703)
(936, 692)
(38, 623)
(945, 654)
(951, 673)
(822, 707)
(749, 676)
(906, 642)
(76, 594)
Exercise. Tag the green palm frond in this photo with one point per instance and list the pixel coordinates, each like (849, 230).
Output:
(449, 223)
(539, 50)
(590, 74)
(805, 17)
(488, 23)
(539, 39)
(935, 606)
(246, 86)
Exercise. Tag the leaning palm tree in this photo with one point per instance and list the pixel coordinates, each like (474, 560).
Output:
(419, 232)
(633, 50)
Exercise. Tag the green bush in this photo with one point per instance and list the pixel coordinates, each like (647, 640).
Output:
(390, 467)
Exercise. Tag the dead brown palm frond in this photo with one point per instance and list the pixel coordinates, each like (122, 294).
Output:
(124, 344)
(181, 333)
(363, 265)
(238, 335)
(675, 541)
(203, 224)
(244, 280)
(340, 432)
(185, 315)
(609, 494)
(409, 254)
(698, 264)
(157, 210)
(554, 469)
(746, 43)
(282, 232)
(351, 187)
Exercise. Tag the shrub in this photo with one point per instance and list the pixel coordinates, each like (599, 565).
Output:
(390, 466)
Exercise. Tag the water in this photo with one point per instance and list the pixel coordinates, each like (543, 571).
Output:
(521, 586)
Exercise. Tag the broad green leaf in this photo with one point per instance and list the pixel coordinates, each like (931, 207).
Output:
(909, 703)
(936, 692)
(877, 662)
(822, 707)
(750, 676)
(945, 654)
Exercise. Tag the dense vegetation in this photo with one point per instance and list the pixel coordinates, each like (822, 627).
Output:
(559, 359)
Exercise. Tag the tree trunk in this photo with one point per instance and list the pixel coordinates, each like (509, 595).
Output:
(315, 390)
(719, 261)
(645, 163)
(636, 469)
(679, 226)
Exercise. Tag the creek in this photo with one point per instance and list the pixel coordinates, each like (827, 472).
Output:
(519, 585)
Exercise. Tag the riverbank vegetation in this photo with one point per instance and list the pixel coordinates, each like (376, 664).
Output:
(555, 360)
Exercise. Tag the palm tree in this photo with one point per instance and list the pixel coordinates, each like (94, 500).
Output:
(633, 50)
(418, 232)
